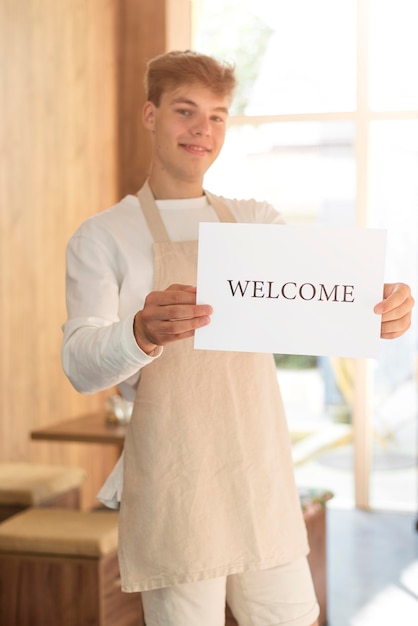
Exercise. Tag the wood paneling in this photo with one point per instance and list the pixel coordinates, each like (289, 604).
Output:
(141, 37)
(146, 29)
(66, 590)
(71, 143)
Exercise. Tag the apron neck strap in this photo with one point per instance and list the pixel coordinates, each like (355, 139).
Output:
(153, 218)
(222, 210)
(152, 215)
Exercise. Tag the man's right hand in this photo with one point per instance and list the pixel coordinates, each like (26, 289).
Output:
(168, 316)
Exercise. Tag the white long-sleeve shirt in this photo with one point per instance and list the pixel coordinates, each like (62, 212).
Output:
(109, 274)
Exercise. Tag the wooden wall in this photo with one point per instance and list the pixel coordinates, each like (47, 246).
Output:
(71, 143)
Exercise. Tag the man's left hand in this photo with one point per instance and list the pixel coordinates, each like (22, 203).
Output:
(395, 309)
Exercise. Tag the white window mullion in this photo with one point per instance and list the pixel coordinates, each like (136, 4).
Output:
(362, 428)
(178, 24)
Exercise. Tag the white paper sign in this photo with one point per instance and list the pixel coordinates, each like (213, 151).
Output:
(294, 289)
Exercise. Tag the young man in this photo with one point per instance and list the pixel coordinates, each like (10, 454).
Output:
(209, 508)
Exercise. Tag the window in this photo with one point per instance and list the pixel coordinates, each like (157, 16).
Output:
(325, 126)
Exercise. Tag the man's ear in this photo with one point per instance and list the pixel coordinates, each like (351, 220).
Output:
(148, 115)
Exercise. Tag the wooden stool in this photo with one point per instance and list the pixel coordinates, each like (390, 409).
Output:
(24, 485)
(313, 502)
(59, 566)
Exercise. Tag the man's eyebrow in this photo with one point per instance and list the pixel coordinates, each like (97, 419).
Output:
(194, 104)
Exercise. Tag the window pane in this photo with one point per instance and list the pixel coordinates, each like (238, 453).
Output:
(394, 55)
(394, 185)
(306, 170)
(291, 57)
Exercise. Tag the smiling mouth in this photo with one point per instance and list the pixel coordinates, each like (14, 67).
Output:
(200, 150)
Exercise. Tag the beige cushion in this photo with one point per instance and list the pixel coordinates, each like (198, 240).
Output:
(60, 532)
(31, 484)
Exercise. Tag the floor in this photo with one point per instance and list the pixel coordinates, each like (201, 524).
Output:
(372, 568)
(328, 464)
(372, 557)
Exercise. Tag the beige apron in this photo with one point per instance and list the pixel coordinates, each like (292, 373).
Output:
(208, 476)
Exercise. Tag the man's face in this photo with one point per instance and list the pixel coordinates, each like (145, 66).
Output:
(189, 131)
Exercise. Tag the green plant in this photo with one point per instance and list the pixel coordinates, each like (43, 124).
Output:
(295, 361)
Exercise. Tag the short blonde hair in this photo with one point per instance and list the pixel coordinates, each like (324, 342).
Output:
(168, 71)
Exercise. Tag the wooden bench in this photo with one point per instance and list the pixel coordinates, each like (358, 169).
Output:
(24, 485)
(60, 566)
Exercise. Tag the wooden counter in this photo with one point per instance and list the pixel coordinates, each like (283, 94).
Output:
(91, 428)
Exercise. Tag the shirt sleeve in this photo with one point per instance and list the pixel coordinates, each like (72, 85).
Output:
(99, 349)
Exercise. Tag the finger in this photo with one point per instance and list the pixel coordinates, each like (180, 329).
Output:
(173, 304)
(394, 294)
(162, 332)
(176, 312)
(187, 312)
(170, 296)
(398, 312)
(179, 319)
(175, 294)
(180, 327)
(178, 287)
(395, 328)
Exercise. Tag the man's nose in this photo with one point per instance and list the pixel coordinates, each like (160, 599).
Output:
(201, 126)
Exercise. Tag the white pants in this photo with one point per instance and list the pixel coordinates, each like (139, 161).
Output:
(282, 595)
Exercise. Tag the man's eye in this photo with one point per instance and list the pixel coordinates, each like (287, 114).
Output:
(183, 111)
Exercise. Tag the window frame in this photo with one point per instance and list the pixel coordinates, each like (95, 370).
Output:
(362, 118)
